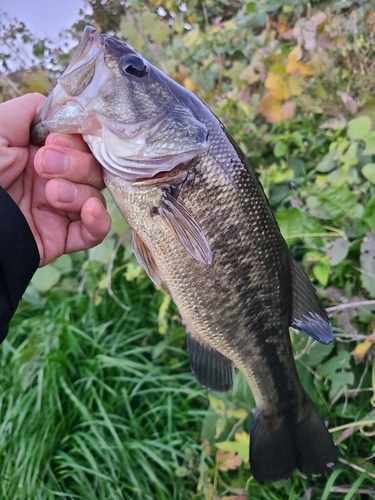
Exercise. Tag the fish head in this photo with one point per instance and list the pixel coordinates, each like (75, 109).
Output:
(135, 119)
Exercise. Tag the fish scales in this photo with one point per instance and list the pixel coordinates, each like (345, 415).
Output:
(232, 295)
(201, 222)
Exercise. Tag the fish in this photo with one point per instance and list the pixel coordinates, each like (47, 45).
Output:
(201, 223)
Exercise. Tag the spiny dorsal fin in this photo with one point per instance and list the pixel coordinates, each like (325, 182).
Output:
(185, 228)
(309, 315)
(145, 258)
(212, 370)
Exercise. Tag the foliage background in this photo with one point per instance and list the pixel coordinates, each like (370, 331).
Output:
(96, 397)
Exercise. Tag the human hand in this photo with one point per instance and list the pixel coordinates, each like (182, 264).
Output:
(60, 198)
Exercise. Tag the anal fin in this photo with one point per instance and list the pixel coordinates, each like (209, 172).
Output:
(308, 315)
(145, 258)
(212, 370)
(185, 228)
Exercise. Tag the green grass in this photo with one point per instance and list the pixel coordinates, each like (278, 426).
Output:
(95, 403)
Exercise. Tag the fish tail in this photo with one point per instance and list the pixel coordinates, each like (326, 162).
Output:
(279, 444)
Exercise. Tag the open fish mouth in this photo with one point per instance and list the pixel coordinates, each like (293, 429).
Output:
(134, 125)
(65, 105)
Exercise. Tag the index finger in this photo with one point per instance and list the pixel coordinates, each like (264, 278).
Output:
(16, 116)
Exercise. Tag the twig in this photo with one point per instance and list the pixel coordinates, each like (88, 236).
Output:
(362, 378)
(235, 427)
(308, 368)
(356, 467)
(350, 430)
(341, 307)
(237, 491)
(339, 489)
(305, 349)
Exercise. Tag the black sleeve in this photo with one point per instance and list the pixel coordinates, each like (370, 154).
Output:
(19, 258)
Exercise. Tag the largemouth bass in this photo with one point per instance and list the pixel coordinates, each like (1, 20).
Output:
(201, 222)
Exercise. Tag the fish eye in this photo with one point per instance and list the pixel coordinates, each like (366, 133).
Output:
(133, 65)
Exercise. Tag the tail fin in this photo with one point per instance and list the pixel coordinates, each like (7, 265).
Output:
(282, 443)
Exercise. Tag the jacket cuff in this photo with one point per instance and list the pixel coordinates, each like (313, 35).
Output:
(19, 258)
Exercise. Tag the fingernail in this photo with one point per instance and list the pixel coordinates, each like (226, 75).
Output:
(60, 140)
(98, 211)
(55, 162)
(68, 193)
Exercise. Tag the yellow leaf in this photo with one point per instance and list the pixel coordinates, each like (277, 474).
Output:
(230, 25)
(295, 85)
(192, 37)
(220, 425)
(241, 445)
(210, 491)
(190, 85)
(242, 436)
(278, 69)
(321, 180)
(277, 84)
(240, 413)
(319, 91)
(295, 67)
(162, 316)
(362, 349)
(217, 405)
(270, 108)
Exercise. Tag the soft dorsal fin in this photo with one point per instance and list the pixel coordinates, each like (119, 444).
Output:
(145, 258)
(212, 370)
(185, 228)
(308, 315)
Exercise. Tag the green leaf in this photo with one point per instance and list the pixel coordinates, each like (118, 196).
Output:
(129, 32)
(328, 162)
(318, 352)
(148, 20)
(350, 157)
(181, 471)
(359, 127)
(290, 222)
(369, 172)
(339, 362)
(370, 143)
(102, 252)
(64, 264)
(160, 32)
(45, 278)
(338, 251)
(333, 203)
(321, 273)
(368, 263)
(280, 149)
(369, 213)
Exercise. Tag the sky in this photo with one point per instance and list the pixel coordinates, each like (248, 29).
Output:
(44, 17)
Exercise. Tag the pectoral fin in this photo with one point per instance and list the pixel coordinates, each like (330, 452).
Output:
(185, 228)
(145, 258)
(212, 370)
(309, 315)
